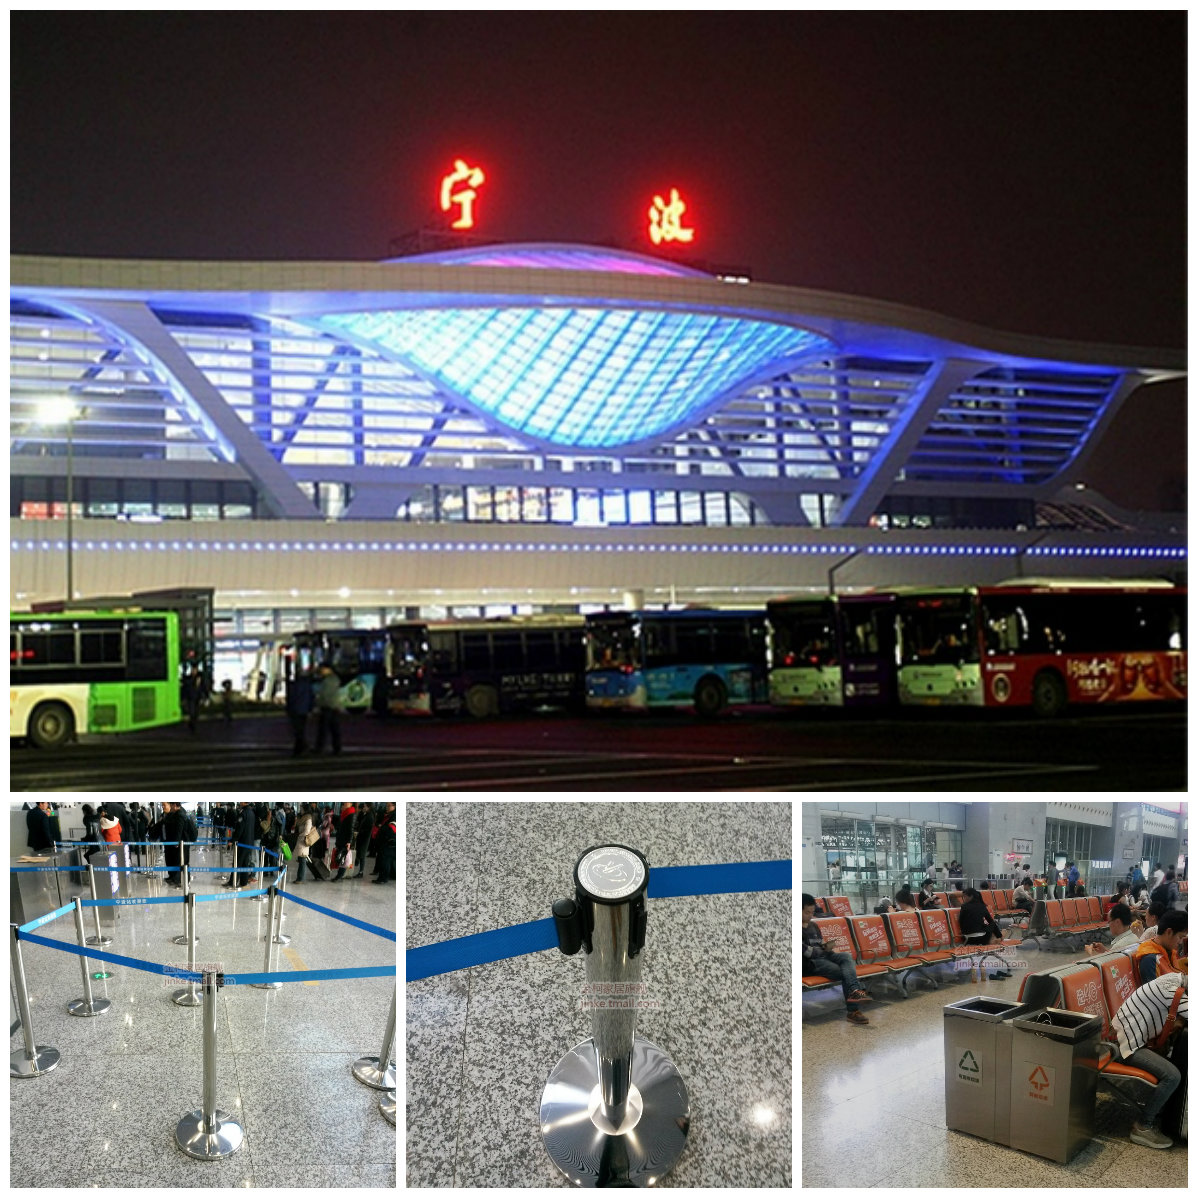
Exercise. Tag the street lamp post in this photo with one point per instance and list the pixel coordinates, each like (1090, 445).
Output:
(61, 410)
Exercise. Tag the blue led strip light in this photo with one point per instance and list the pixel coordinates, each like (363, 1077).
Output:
(665, 882)
(585, 377)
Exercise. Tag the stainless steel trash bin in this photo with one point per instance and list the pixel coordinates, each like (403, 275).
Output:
(978, 1052)
(1053, 1082)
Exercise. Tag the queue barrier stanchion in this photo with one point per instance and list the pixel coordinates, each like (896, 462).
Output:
(86, 1005)
(387, 1105)
(615, 1111)
(185, 938)
(100, 939)
(262, 876)
(187, 997)
(380, 1072)
(33, 1059)
(281, 938)
(207, 1132)
(270, 945)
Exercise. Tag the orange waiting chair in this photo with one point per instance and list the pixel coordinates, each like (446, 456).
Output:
(836, 906)
(835, 931)
(908, 940)
(874, 948)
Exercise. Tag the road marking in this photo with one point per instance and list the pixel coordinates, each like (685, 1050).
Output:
(1032, 768)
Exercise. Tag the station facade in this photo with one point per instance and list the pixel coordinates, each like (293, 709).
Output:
(537, 428)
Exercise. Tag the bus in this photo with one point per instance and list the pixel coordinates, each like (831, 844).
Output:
(486, 667)
(827, 651)
(91, 672)
(707, 658)
(1042, 645)
(357, 659)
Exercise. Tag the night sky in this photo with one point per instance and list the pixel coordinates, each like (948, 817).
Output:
(1023, 171)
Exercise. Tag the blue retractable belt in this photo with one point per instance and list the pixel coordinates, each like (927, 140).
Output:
(665, 883)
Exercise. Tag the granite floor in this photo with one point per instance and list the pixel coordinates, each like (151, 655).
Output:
(106, 1115)
(481, 1042)
(889, 1076)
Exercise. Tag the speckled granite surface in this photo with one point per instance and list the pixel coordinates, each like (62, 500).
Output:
(481, 1042)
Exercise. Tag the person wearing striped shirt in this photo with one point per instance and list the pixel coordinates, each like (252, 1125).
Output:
(1138, 1021)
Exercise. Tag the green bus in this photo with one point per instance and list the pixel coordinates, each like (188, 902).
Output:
(91, 672)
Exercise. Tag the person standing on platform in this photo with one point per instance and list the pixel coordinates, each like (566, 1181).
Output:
(385, 859)
(329, 710)
(835, 877)
(304, 825)
(366, 823)
(172, 832)
(299, 697)
(37, 822)
(244, 835)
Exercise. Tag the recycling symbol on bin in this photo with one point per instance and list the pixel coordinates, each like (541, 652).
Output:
(1033, 1078)
(968, 1063)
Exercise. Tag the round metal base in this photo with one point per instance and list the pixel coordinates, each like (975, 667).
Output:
(81, 1008)
(98, 941)
(187, 998)
(220, 1142)
(366, 1070)
(270, 987)
(643, 1149)
(387, 1106)
(281, 940)
(21, 1066)
(181, 940)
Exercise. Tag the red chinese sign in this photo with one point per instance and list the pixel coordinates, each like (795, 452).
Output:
(459, 188)
(666, 220)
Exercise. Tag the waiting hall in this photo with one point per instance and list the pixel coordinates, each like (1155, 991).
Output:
(994, 994)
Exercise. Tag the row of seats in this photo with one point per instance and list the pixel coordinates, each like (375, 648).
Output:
(999, 902)
(1097, 986)
(1067, 918)
(894, 945)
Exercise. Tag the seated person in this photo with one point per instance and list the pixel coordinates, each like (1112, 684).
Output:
(1159, 954)
(1022, 896)
(1119, 921)
(886, 905)
(905, 901)
(1139, 1021)
(927, 899)
(820, 958)
(1155, 911)
(978, 926)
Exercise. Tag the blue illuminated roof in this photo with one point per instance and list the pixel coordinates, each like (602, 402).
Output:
(555, 255)
(585, 377)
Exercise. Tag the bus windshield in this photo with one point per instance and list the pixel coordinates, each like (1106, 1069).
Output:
(938, 629)
(803, 634)
(612, 642)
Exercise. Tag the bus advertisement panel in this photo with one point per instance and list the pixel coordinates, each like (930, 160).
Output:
(91, 672)
(1043, 645)
(708, 659)
(357, 659)
(832, 652)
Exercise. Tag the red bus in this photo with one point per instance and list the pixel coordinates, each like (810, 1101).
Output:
(1042, 645)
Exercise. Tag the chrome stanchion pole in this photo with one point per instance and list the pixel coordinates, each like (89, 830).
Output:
(207, 1132)
(34, 1059)
(614, 1111)
(281, 938)
(187, 997)
(262, 876)
(186, 879)
(380, 1072)
(270, 945)
(86, 1006)
(100, 939)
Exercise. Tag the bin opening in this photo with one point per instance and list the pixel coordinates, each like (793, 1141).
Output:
(983, 1004)
(1061, 1018)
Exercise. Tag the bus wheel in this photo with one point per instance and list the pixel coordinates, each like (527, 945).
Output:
(710, 696)
(50, 726)
(1049, 694)
(482, 701)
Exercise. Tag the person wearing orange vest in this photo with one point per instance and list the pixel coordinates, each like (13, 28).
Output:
(1159, 954)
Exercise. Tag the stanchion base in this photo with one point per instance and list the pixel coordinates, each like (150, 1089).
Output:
(281, 940)
(366, 1070)
(270, 987)
(81, 1008)
(187, 998)
(98, 941)
(644, 1149)
(21, 1066)
(220, 1142)
(181, 940)
(387, 1105)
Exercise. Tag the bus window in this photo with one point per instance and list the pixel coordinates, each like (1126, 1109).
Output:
(507, 654)
(476, 652)
(101, 647)
(147, 650)
(612, 644)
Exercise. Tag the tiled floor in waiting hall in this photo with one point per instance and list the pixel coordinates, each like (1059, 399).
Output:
(874, 1112)
(106, 1115)
(482, 1041)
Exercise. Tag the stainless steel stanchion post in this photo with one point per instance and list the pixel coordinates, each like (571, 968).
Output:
(100, 939)
(380, 1072)
(33, 1059)
(262, 875)
(86, 1006)
(267, 953)
(187, 997)
(207, 1132)
(281, 938)
(387, 1105)
(614, 1111)
(185, 938)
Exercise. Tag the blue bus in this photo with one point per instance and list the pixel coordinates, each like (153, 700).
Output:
(705, 658)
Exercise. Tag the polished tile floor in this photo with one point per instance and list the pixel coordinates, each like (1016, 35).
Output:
(106, 1115)
(873, 1105)
(481, 1042)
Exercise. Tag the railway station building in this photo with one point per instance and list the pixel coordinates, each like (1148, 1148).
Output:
(539, 428)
